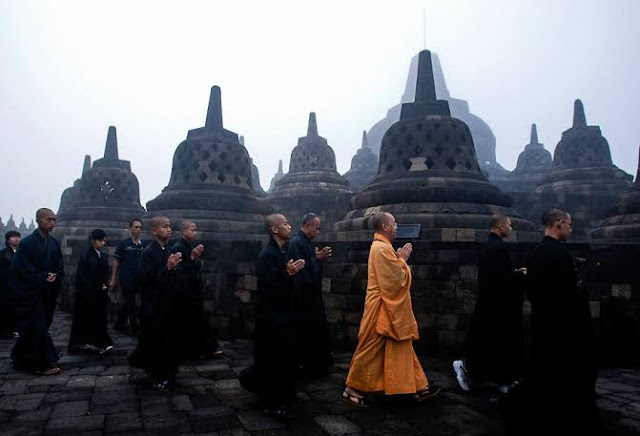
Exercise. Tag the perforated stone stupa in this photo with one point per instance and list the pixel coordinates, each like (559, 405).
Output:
(623, 223)
(106, 196)
(364, 166)
(312, 183)
(429, 175)
(583, 180)
(483, 138)
(211, 182)
(534, 164)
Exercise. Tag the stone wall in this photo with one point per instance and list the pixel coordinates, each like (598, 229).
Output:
(443, 291)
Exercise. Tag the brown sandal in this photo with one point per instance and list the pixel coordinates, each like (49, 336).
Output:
(430, 392)
(52, 370)
(355, 400)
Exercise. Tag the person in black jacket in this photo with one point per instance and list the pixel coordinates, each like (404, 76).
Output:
(89, 327)
(197, 339)
(158, 347)
(35, 278)
(559, 387)
(310, 318)
(7, 316)
(494, 348)
(273, 376)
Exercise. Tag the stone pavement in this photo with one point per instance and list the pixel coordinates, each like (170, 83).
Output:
(98, 395)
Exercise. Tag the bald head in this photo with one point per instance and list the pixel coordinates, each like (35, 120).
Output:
(379, 219)
(277, 226)
(158, 221)
(46, 220)
(186, 224)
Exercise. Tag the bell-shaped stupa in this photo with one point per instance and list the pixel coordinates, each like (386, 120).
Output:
(429, 175)
(211, 182)
(364, 166)
(583, 179)
(312, 183)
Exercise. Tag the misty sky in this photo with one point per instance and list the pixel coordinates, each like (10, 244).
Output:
(69, 69)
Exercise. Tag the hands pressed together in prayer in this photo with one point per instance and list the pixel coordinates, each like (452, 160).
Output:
(197, 252)
(173, 260)
(324, 253)
(522, 271)
(294, 266)
(51, 277)
(405, 251)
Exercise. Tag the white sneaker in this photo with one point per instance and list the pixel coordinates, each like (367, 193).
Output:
(106, 350)
(461, 375)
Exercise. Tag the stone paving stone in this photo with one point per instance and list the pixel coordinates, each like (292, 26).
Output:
(41, 414)
(116, 370)
(619, 387)
(70, 408)
(12, 387)
(74, 424)
(92, 370)
(19, 428)
(211, 367)
(21, 402)
(50, 380)
(203, 401)
(181, 402)
(213, 419)
(255, 420)
(111, 381)
(68, 395)
(337, 425)
(81, 381)
(123, 422)
(167, 423)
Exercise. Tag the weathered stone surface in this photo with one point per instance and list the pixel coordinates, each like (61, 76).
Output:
(211, 179)
(312, 183)
(74, 424)
(583, 177)
(429, 174)
(364, 166)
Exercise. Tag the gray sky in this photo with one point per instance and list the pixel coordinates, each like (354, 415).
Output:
(70, 69)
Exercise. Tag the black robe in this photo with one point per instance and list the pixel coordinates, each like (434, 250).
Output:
(311, 325)
(35, 300)
(157, 350)
(494, 349)
(559, 388)
(7, 317)
(273, 376)
(196, 337)
(90, 313)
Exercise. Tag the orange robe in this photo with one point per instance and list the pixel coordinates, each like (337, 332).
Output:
(384, 360)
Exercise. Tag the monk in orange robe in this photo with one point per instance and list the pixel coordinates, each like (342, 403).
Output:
(384, 360)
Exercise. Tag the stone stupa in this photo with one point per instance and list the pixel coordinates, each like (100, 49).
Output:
(211, 183)
(277, 176)
(107, 196)
(364, 166)
(429, 176)
(312, 183)
(622, 226)
(583, 180)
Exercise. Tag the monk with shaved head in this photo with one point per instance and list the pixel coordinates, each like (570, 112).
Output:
(197, 340)
(384, 360)
(157, 350)
(272, 377)
(35, 278)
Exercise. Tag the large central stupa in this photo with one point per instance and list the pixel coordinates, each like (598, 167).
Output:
(429, 175)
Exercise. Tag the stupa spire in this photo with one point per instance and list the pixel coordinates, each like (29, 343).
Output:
(364, 139)
(87, 164)
(214, 112)
(534, 135)
(425, 84)
(579, 119)
(312, 130)
(111, 147)
(280, 166)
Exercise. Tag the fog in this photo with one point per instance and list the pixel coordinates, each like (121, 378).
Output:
(71, 68)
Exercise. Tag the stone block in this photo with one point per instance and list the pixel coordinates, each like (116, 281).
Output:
(213, 419)
(468, 272)
(337, 425)
(448, 235)
(123, 422)
(254, 420)
(251, 282)
(74, 424)
(21, 402)
(326, 284)
(243, 295)
(446, 322)
(81, 381)
(70, 408)
(465, 235)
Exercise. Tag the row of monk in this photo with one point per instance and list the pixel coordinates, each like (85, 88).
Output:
(291, 332)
